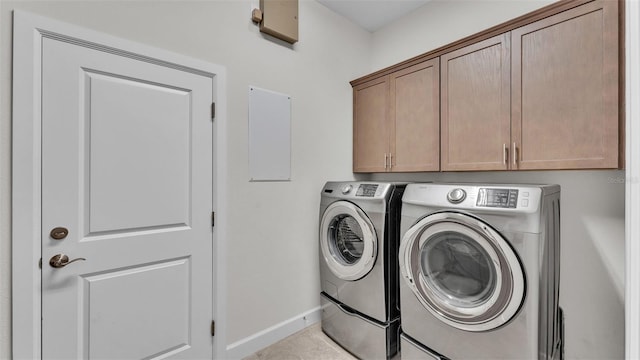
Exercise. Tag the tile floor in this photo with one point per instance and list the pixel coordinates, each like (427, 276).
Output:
(308, 344)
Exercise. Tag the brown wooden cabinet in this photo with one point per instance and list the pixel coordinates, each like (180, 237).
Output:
(541, 92)
(397, 122)
(476, 119)
(371, 126)
(565, 90)
(543, 96)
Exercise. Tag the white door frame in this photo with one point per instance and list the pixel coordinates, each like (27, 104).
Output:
(29, 31)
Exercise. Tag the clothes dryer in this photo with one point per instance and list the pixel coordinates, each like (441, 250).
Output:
(359, 237)
(480, 268)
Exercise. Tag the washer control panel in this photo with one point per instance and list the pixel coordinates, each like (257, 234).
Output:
(358, 190)
(367, 190)
(497, 198)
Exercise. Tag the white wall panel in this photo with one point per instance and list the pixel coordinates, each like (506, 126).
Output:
(269, 135)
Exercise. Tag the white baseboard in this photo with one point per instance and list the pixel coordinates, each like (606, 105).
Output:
(269, 336)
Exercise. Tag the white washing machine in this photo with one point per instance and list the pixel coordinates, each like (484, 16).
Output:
(359, 237)
(480, 271)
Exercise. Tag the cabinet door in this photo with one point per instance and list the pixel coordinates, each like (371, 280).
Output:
(565, 89)
(415, 118)
(476, 106)
(371, 126)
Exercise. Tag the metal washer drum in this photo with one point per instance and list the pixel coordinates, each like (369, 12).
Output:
(334, 246)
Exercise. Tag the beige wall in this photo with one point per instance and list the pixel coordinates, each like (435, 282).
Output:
(272, 232)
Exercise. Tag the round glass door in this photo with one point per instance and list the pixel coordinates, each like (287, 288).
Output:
(347, 240)
(456, 268)
(463, 271)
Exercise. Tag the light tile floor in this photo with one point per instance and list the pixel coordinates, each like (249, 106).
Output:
(308, 344)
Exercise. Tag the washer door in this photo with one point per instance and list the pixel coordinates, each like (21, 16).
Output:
(463, 271)
(348, 240)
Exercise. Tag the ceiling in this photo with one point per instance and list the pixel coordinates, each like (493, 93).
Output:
(373, 14)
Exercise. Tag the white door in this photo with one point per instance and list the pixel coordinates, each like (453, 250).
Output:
(127, 171)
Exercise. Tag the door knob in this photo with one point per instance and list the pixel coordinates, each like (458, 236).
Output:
(62, 260)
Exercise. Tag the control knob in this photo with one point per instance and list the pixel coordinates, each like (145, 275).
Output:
(456, 196)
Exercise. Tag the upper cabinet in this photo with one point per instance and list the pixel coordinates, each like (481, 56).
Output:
(397, 121)
(541, 94)
(565, 107)
(371, 126)
(476, 118)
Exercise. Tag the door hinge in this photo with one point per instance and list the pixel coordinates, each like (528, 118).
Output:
(213, 328)
(213, 110)
(213, 219)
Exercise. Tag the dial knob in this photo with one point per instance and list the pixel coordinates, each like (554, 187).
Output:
(456, 196)
(346, 189)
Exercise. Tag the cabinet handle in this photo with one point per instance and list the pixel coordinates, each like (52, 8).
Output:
(505, 154)
(386, 156)
(390, 161)
(515, 154)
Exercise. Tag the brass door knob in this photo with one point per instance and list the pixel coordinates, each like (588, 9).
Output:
(62, 260)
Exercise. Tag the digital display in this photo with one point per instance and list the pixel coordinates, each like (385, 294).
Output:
(367, 190)
(501, 198)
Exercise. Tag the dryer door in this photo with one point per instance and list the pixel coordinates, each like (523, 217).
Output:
(462, 270)
(348, 240)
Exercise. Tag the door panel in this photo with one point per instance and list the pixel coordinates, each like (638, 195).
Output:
(370, 126)
(120, 122)
(565, 89)
(415, 117)
(165, 285)
(476, 124)
(127, 169)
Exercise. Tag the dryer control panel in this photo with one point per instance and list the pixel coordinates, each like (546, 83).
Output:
(485, 198)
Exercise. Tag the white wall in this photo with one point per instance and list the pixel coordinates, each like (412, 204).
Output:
(272, 232)
(593, 202)
(632, 82)
(441, 22)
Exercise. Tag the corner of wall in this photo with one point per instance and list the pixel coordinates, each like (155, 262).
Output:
(251, 344)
